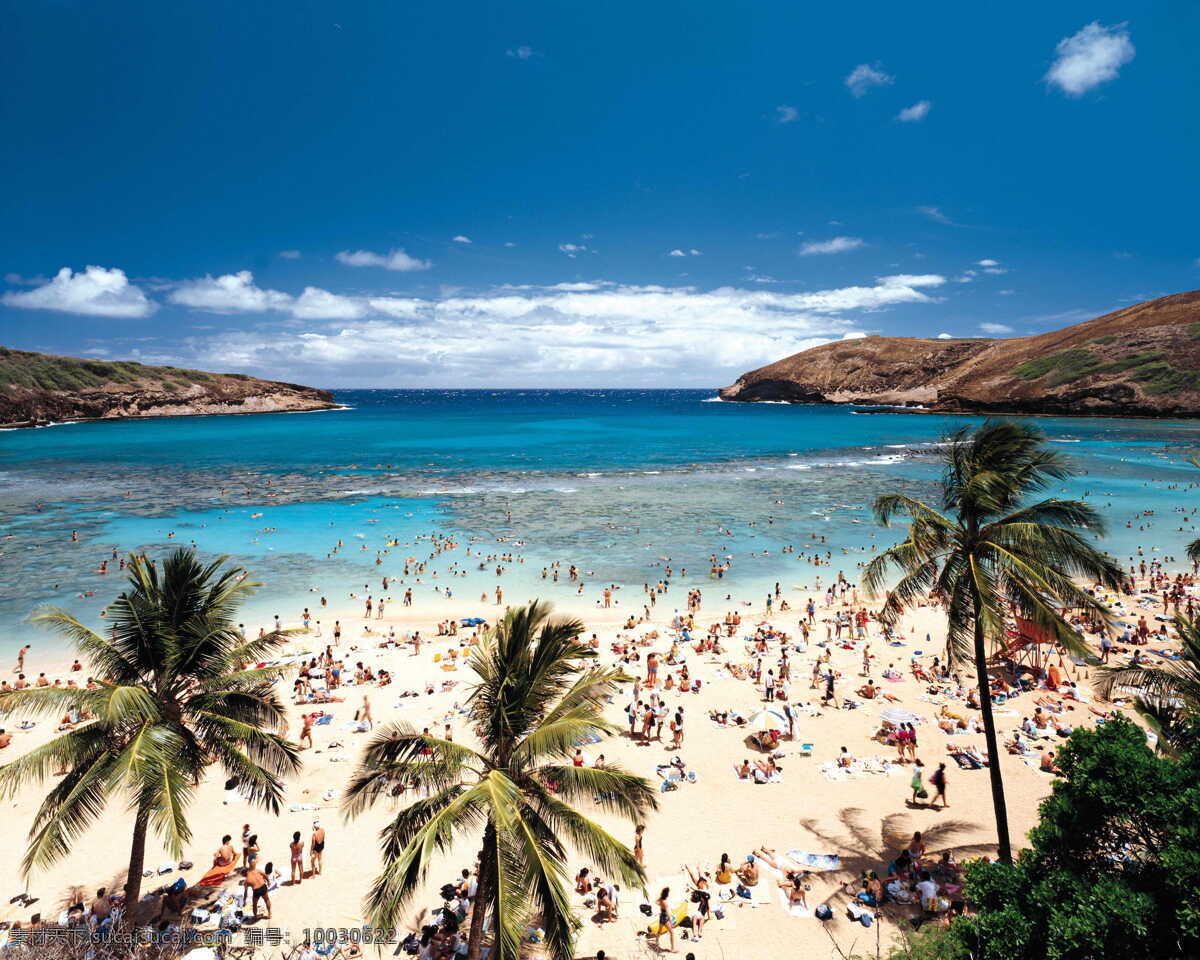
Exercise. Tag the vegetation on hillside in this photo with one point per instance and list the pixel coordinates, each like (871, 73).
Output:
(40, 371)
(1154, 371)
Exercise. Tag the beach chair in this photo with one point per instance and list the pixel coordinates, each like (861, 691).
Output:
(806, 750)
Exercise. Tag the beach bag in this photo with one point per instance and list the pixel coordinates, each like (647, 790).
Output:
(866, 919)
(823, 912)
(646, 909)
(922, 794)
(178, 886)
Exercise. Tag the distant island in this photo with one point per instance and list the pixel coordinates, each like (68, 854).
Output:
(40, 388)
(1141, 361)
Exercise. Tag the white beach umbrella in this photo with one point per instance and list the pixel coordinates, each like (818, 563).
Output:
(898, 715)
(766, 720)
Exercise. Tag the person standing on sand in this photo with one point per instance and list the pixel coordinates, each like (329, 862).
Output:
(638, 834)
(306, 733)
(316, 848)
(297, 849)
(257, 882)
(20, 667)
(364, 715)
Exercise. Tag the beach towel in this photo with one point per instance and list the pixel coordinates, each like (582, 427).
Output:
(217, 875)
(815, 861)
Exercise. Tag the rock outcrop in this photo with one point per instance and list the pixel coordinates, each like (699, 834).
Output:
(1143, 360)
(39, 388)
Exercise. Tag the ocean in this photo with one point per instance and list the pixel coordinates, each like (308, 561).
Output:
(621, 483)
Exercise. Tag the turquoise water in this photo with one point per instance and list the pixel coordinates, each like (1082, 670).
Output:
(621, 483)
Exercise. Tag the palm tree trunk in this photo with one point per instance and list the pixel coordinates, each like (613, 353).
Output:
(989, 735)
(137, 861)
(483, 893)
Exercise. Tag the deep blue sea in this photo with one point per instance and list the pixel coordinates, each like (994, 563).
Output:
(619, 482)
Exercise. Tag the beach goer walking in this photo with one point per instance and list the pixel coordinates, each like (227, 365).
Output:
(306, 732)
(938, 779)
(665, 923)
(364, 715)
(297, 850)
(918, 788)
(638, 834)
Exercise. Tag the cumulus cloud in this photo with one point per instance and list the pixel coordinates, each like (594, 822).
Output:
(237, 293)
(987, 263)
(945, 336)
(392, 260)
(865, 77)
(289, 254)
(573, 249)
(461, 239)
(317, 304)
(1089, 58)
(691, 252)
(594, 332)
(836, 245)
(94, 292)
(231, 293)
(786, 114)
(917, 112)
(995, 328)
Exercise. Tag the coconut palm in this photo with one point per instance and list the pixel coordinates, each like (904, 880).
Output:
(1168, 696)
(535, 698)
(170, 699)
(987, 553)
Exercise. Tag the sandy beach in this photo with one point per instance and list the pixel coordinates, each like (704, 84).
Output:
(859, 814)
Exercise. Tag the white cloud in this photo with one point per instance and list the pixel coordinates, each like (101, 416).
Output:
(392, 260)
(676, 253)
(917, 112)
(836, 245)
(995, 328)
(461, 239)
(231, 293)
(573, 249)
(289, 254)
(987, 263)
(523, 52)
(785, 114)
(1089, 58)
(935, 214)
(945, 336)
(854, 335)
(317, 304)
(691, 252)
(695, 253)
(564, 335)
(509, 243)
(864, 78)
(95, 292)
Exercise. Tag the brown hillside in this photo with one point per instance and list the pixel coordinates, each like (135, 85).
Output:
(1143, 360)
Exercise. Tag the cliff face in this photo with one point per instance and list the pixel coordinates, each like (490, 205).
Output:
(1143, 360)
(37, 388)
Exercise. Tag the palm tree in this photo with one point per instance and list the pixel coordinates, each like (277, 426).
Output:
(533, 701)
(1167, 696)
(170, 699)
(987, 552)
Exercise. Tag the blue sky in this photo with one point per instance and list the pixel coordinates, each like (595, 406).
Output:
(657, 194)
